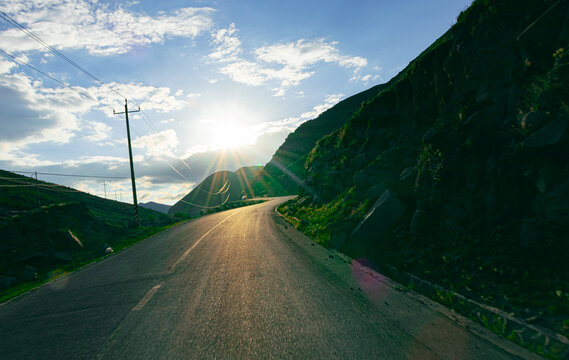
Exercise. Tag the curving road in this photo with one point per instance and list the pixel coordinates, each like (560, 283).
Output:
(235, 285)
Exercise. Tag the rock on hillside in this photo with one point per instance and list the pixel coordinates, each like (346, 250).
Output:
(217, 189)
(282, 175)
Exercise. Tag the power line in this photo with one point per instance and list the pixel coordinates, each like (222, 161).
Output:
(28, 32)
(51, 77)
(71, 175)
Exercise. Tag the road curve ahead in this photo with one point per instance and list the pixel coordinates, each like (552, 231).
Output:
(239, 284)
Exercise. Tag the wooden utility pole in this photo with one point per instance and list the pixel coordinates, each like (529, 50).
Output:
(130, 157)
(37, 191)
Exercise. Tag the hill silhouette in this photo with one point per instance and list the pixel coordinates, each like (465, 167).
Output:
(218, 189)
(156, 206)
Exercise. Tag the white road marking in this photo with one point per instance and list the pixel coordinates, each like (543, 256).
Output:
(146, 297)
(184, 255)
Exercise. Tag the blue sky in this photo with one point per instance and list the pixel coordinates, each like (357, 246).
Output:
(221, 83)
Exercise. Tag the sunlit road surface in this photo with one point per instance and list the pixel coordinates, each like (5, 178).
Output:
(235, 285)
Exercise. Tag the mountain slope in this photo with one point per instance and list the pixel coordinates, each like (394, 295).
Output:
(457, 171)
(215, 190)
(156, 206)
(282, 174)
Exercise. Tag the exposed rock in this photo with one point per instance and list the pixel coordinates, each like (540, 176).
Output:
(409, 173)
(529, 233)
(540, 184)
(555, 208)
(533, 120)
(550, 134)
(73, 237)
(63, 256)
(360, 178)
(30, 273)
(359, 161)
(430, 135)
(375, 191)
(337, 240)
(7, 281)
(381, 217)
(419, 222)
(407, 179)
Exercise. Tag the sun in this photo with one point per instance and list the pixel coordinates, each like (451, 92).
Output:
(230, 134)
(229, 126)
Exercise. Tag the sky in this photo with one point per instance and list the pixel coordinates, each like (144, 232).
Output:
(220, 84)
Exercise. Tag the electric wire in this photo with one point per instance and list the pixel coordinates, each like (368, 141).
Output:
(51, 77)
(28, 32)
(71, 175)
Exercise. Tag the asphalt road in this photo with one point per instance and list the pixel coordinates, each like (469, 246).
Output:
(235, 285)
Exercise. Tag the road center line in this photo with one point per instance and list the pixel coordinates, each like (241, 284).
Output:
(184, 255)
(146, 297)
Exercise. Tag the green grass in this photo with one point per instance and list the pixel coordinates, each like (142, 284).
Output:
(81, 263)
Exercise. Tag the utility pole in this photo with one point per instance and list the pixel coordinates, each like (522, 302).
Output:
(105, 187)
(37, 190)
(130, 157)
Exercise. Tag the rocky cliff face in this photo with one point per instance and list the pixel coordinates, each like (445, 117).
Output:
(471, 140)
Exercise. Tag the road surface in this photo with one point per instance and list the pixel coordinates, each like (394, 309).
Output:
(239, 284)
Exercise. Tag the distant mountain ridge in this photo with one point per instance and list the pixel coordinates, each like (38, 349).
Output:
(217, 189)
(156, 206)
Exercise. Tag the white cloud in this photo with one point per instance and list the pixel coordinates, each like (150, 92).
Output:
(6, 66)
(291, 123)
(330, 101)
(34, 114)
(97, 131)
(301, 54)
(98, 28)
(288, 63)
(226, 44)
(158, 144)
(147, 97)
(366, 78)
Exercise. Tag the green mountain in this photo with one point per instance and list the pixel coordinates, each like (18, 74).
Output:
(47, 228)
(156, 206)
(217, 189)
(457, 170)
(283, 173)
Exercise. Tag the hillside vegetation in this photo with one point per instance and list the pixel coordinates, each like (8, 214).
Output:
(457, 170)
(282, 175)
(68, 229)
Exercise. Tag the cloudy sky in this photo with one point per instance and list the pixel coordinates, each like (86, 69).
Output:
(220, 83)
